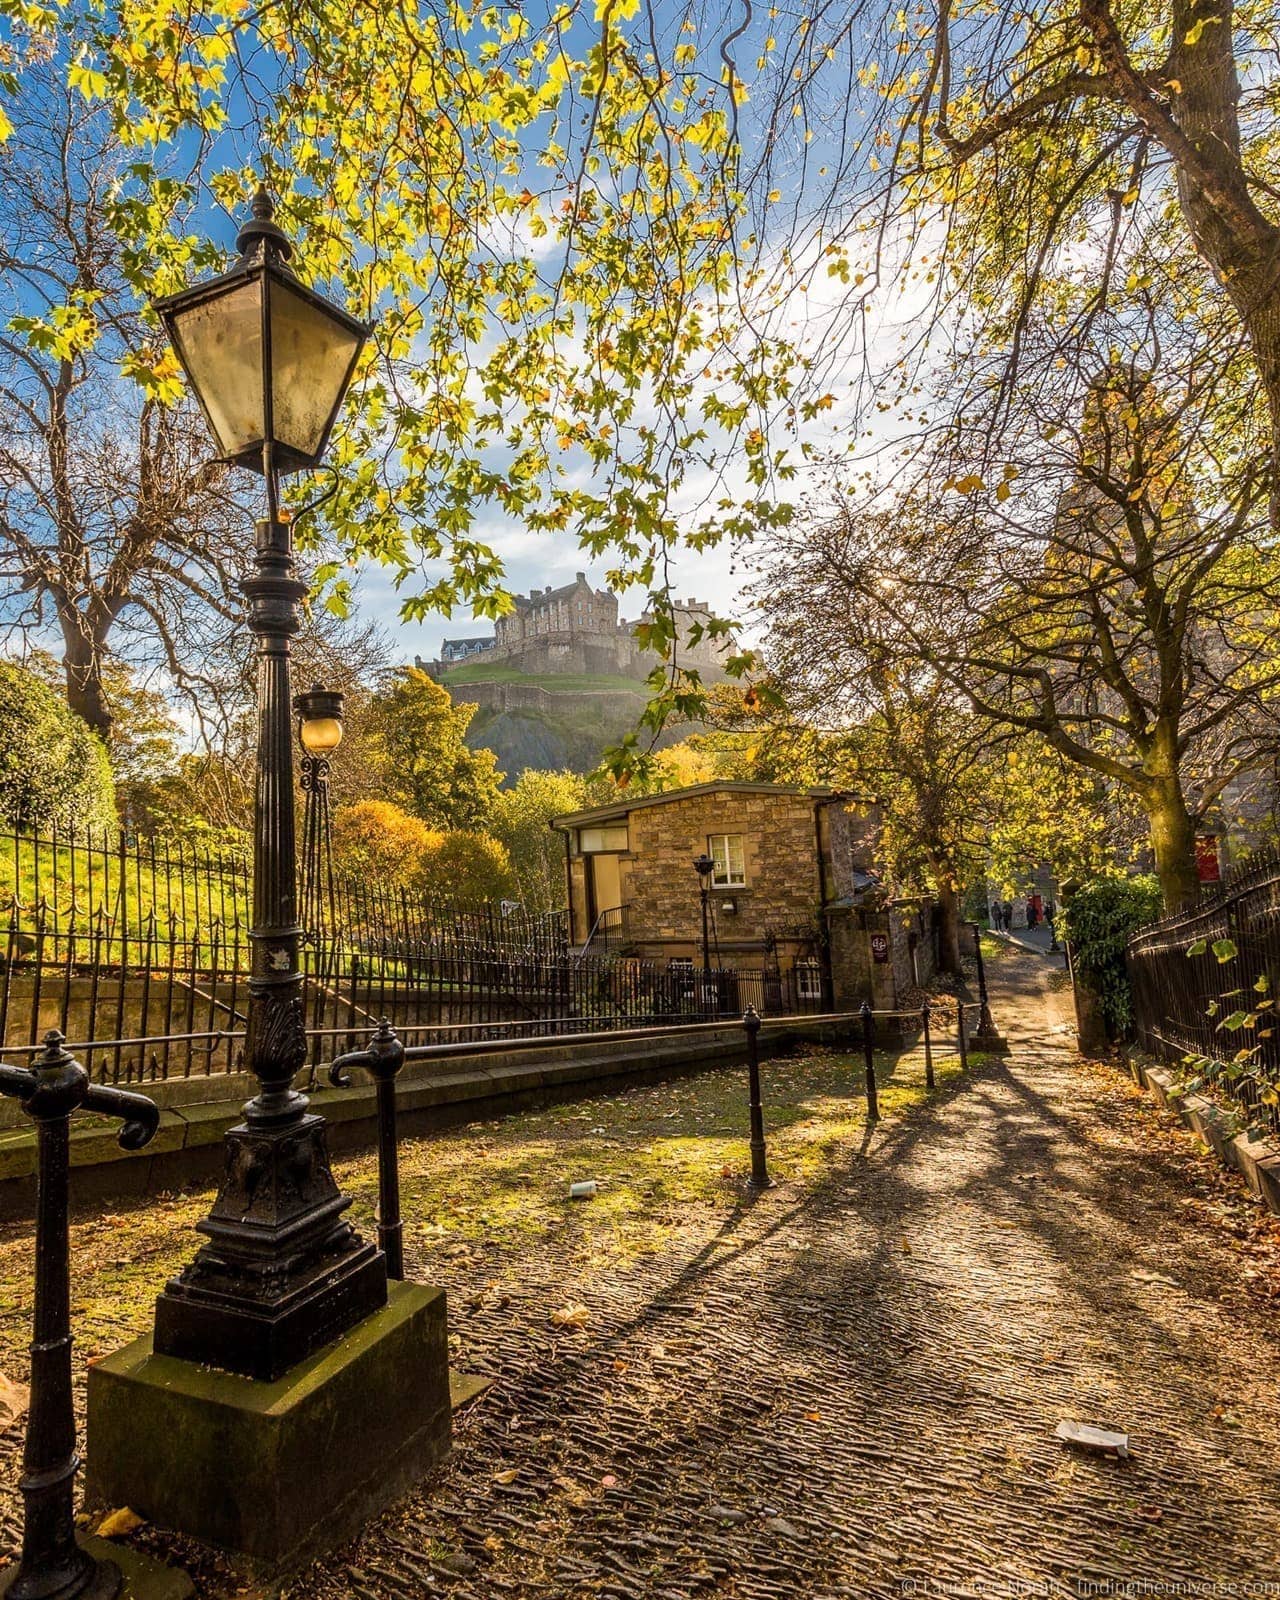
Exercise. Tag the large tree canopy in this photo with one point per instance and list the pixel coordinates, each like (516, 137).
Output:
(1116, 606)
(1007, 163)
(117, 531)
(585, 232)
(538, 210)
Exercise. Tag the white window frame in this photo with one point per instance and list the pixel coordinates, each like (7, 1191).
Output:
(729, 873)
(808, 980)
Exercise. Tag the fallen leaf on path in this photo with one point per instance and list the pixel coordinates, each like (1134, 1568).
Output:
(118, 1523)
(13, 1400)
(509, 1476)
(572, 1316)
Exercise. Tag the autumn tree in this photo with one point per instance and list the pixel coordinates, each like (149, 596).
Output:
(990, 166)
(376, 841)
(1108, 596)
(520, 819)
(465, 864)
(117, 529)
(898, 734)
(422, 760)
(539, 214)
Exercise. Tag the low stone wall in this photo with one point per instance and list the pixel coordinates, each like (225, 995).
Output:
(432, 1095)
(1257, 1160)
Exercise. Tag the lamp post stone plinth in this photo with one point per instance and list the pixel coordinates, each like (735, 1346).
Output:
(282, 1273)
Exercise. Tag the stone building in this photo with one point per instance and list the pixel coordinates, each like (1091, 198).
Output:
(794, 886)
(576, 630)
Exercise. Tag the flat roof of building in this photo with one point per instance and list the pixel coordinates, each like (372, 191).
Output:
(620, 808)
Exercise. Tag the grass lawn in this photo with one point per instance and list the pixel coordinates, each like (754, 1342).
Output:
(476, 1202)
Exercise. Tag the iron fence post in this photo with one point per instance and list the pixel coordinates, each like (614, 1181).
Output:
(960, 1035)
(986, 1027)
(928, 1046)
(868, 1051)
(382, 1061)
(53, 1566)
(760, 1178)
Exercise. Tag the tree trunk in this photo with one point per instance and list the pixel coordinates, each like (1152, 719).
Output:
(1232, 233)
(1173, 839)
(948, 926)
(82, 664)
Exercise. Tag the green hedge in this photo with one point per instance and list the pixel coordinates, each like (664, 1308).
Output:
(1099, 920)
(54, 772)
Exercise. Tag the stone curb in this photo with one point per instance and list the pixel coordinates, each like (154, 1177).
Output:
(1256, 1160)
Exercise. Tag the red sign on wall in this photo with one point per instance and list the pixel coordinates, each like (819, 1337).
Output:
(1208, 866)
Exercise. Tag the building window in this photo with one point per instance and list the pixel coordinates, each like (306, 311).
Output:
(808, 980)
(595, 841)
(730, 863)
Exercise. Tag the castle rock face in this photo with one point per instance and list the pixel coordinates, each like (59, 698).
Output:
(576, 630)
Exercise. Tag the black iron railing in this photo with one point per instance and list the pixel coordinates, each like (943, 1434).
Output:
(139, 953)
(1206, 983)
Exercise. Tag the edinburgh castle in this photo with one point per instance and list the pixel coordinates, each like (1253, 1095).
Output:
(576, 630)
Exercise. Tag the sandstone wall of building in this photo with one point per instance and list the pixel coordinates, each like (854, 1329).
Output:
(907, 929)
(782, 892)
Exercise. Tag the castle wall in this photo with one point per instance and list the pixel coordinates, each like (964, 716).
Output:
(575, 630)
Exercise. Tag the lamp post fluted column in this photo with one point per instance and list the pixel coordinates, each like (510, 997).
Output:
(283, 1273)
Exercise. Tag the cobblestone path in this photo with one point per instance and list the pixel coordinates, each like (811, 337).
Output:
(851, 1390)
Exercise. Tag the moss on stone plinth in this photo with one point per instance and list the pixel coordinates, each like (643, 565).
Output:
(277, 1472)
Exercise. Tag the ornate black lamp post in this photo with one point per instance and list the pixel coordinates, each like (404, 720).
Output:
(705, 867)
(282, 1273)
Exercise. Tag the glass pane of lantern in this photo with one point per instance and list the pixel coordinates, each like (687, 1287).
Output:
(219, 343)
(311, 354)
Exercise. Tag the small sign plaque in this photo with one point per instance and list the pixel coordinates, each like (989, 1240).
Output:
(880, 948)
(1208, 864)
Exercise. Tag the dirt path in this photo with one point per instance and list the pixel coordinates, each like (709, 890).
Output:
(852, 1389)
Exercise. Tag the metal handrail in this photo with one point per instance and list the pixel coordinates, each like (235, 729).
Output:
(601, 925)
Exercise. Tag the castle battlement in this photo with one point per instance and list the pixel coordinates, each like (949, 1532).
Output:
(575, 629)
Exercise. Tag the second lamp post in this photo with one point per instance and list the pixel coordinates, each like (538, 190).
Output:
(705, 867)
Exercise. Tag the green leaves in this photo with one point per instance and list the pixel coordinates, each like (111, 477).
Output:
(542, 217)
(1224, 950)
(83, 74)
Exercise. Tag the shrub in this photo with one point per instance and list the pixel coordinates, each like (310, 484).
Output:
(1099, 920)
(54, 771)
(461, 865)
(376, 840)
